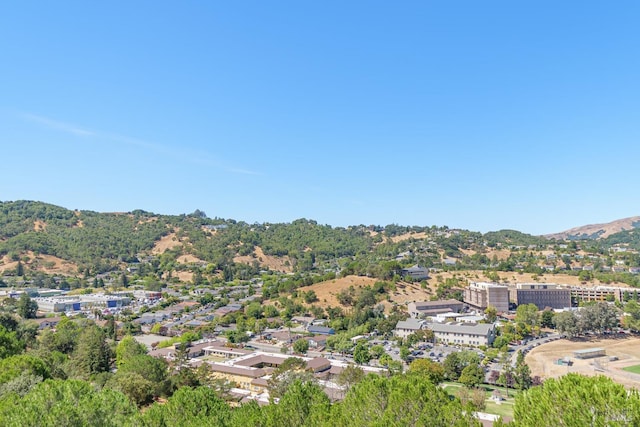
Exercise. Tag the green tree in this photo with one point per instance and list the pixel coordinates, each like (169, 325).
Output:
(92, 354)
(631, 320)
(66, 403)
(304, 404)
(301, 346)
(151, 369)
(134, 386)
(546, 319)
(491, 313)
(361, 354)
(128, 348)
(429, 369)
(310, 297)
(576, 400)
(9, 343)
(527, 315)
(472, 375)
(400, 400)
(522, 373)
(189, 407)
(566, 322)
(27, 308)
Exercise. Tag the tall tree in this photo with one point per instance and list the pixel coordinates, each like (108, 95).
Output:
(472, 375)
(27, 308)
(127, 349)
(522, 373)
(93, 355)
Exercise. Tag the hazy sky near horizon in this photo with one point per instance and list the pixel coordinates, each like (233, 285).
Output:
(477, 115)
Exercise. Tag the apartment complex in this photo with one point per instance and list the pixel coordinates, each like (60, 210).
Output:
(483, 294)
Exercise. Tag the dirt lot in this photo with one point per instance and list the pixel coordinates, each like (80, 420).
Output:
(542, 359)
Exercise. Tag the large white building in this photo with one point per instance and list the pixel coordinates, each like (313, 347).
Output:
(471, 334)
(81, 302)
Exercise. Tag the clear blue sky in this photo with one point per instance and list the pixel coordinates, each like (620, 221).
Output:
(473, 114)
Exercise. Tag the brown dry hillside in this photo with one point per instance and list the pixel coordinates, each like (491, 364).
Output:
(606, 229)
(282, 264)
(407, 236)
(46, 263)
(169, 241)
(327, 291)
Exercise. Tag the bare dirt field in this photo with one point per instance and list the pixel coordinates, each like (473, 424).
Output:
(542, 359)
(281, 264)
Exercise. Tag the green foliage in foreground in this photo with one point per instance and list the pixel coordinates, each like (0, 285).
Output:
(575, 400)
(401, 400)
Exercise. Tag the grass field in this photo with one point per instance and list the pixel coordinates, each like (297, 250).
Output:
(634, 369)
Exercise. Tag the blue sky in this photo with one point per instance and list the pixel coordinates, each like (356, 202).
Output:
(477, 115)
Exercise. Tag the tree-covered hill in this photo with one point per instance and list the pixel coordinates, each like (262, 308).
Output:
(101, 242)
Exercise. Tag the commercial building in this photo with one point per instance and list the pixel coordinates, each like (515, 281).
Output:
(471, 334)
(482, 295)
(419, 310)
(542, 295)
(81, 302)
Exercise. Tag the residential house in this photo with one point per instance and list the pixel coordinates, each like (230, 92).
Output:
(416, 272)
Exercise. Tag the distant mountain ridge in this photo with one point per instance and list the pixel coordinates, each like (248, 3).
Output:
(597, 231)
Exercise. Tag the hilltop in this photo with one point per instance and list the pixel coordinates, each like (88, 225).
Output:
(597, 231)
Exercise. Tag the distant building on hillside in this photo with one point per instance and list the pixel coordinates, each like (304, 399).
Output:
(416, 272)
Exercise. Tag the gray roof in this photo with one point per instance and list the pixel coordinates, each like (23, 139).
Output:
(462, 328)
(410, 323)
